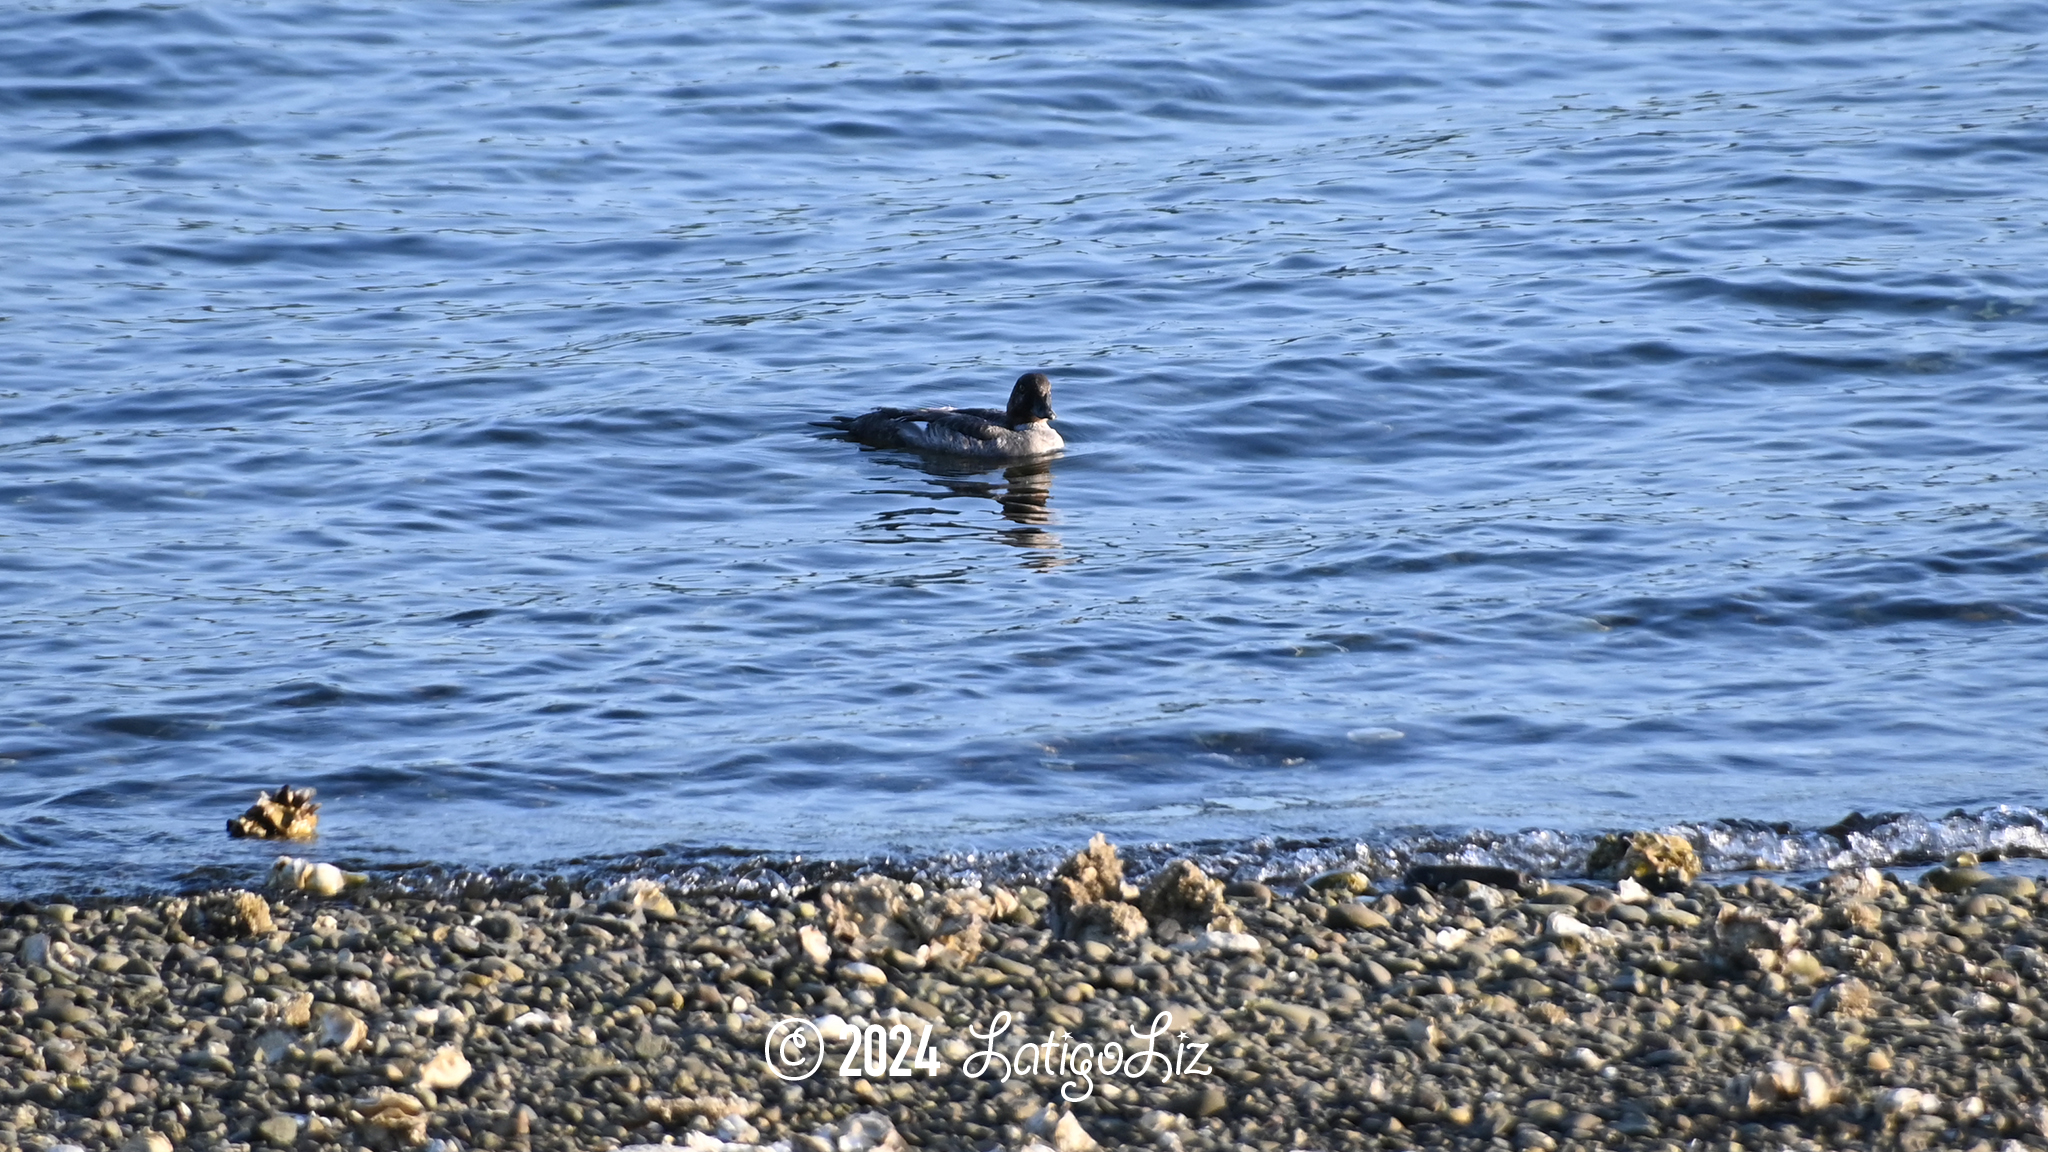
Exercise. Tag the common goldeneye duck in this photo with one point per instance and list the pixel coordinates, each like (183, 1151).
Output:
(985, 433)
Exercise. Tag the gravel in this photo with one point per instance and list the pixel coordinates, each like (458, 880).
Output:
(1855, 1012)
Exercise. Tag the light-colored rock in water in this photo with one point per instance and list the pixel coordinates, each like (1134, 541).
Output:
(1628, 891)
(1184, 893)
(1660, 861)
(293, 874)
(644, 894)
(446, 1069)
(147, 1142)
(286, 814)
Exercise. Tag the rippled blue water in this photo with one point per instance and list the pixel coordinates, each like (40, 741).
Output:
(1480, 414)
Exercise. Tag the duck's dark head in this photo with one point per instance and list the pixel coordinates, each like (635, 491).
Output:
(1030, 400)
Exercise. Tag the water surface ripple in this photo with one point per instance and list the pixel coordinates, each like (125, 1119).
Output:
(1496, 415)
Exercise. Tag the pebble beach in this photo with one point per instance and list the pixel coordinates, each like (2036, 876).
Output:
(1349, 1012)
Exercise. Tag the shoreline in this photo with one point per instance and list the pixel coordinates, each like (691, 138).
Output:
(1729, 846)
(1856, 1011)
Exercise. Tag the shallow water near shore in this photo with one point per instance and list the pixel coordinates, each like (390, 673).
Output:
(1530, 416)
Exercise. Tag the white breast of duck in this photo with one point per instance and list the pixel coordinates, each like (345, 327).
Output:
(1019, 430)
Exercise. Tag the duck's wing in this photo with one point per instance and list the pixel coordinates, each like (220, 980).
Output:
(880, 422)
(941, 428)
(920, 427)
(974, 423)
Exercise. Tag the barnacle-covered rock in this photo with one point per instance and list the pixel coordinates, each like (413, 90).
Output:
(1660, 861)
(875, 914)
(644, 894)
(1745, 938)
(286, 814)
(1093, 874)
(1088, 897)
(234, 914)
(1110, 921)
(1185, 894)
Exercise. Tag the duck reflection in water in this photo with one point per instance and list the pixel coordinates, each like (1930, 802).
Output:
(1024, 495)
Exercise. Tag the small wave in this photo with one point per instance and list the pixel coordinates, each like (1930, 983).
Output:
(160, 140)
(1727, 848)
(1795, 296)
(76, 96)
